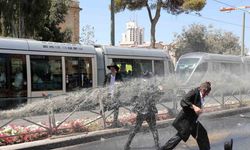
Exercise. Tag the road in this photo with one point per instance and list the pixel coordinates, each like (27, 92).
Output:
(219, 130)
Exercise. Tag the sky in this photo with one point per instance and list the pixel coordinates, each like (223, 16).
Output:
(96, 13)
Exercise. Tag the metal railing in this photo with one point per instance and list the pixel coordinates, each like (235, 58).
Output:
(218, 97)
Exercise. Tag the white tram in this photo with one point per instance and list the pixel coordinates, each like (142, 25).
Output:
(29, 68)
(194, 67)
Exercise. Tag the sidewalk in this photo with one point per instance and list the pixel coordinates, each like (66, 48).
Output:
(80, 138)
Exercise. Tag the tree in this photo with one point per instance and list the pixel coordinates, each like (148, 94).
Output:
(22, 18)
(174, 7)
(51, 31)
(223, 43)
(88, 35)
(199, 38)
(33, 19)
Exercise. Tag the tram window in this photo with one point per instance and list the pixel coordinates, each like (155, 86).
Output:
(200, 71)
(78, 73)
(159, 67)
(126, 67)
(46, 73)
(146, 67)
(226, 67)
(132, 68)
(185, 67)
(231, 68)
(215, 67)
(12, 79)
(235, 69)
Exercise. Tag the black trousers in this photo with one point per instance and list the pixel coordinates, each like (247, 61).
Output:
(113, 105)
(198, 132)
(151, 120)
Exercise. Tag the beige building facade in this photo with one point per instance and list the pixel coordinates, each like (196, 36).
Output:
(72, 21)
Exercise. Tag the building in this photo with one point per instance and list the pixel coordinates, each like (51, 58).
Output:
(72, 21)
(134, 35)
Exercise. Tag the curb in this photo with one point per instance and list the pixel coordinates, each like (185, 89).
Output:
(74, 139)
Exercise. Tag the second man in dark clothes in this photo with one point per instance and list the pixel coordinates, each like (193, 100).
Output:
(110, 80)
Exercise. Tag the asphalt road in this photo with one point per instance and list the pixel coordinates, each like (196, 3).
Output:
(220, 130)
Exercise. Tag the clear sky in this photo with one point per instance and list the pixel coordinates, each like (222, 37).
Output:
(96, 13)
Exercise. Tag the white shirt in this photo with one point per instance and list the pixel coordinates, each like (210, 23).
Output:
(202, 100)
(112, 85)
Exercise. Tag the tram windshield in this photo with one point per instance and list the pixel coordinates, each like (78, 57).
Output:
(185, 67)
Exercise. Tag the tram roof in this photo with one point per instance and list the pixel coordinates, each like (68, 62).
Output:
(123, 51)
(33, 45)
(13, 44)
(212, 57)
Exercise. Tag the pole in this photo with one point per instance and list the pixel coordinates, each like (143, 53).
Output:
(243, 35)
(112, 23)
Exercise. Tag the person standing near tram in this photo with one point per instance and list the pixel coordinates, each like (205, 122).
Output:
(111, 79)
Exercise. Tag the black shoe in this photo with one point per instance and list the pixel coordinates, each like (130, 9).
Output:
(228, 145)
(116, 125)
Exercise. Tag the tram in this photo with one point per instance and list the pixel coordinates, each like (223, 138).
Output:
(194, 67)
(29, 68)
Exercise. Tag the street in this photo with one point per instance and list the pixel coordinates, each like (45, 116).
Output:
(219, 130)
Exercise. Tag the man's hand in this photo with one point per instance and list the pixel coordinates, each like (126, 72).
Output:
(197, 110)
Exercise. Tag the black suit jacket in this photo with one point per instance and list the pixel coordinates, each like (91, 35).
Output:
(185, 122)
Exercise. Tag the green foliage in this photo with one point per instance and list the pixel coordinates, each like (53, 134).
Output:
(199, 38)
(193, 5)
(121, 5)
(37, 19)
(55, 15)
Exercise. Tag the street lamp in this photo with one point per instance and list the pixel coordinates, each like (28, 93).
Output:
(229, 9)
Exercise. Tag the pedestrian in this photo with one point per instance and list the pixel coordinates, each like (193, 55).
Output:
(186, 123)
(111, 79)
(145, 109)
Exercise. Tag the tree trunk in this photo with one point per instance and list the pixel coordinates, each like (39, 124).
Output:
(154, 21)
(152, 33)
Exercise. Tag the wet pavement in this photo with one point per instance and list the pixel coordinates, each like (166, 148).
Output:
(220, 130)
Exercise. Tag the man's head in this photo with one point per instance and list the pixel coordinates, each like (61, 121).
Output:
(113, 67)
(205, 88)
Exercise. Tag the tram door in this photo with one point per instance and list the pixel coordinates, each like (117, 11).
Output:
(13, 80)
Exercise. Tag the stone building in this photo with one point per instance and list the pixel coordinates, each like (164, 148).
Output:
(134, 35)
(72, 21)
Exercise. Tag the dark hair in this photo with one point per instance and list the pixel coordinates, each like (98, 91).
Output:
(206, 85)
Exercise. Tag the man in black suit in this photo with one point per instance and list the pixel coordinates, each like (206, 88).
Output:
(110, 80)
(186, 123)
